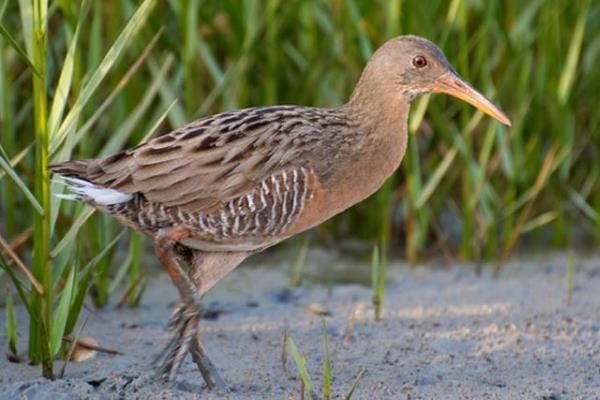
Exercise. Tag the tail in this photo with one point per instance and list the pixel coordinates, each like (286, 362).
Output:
(73, 176)
(73, 169)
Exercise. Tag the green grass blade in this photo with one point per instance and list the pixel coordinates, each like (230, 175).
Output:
(326, 362)
(41, 267)
(118, 138)
(539, 221)
(61, 263)
(20, 51)
(120, 274)
(348, 395)
(136, 247)
(506, 154)
(375, 271)
(5, 165)
(26, 13)
(209, 59)
(92, 263)
(529, 194)
(161, 118)
(101, 110)
(18, 285)
(296, 279)
(66, 76)
(16, 159)
(541, 179)
(570, 276)
(11, 324)
(418, 113)
(168, 92)
(81, 288)
(300, 365)
(61, 313)
(436, 178)
(109, 60)
(72, 232)
(569, 72)
(3, 8)
(583, 205)
(360, 23)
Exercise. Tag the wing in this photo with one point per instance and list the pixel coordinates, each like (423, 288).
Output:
(201, 167)
(262, 216)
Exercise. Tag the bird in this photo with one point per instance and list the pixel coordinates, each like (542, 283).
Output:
(213, 192)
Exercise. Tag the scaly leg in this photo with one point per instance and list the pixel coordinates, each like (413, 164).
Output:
(206, 269)
(184, 321)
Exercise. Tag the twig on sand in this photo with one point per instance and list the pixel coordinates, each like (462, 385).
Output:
(13, 256)
(92, 347)
(131, 288)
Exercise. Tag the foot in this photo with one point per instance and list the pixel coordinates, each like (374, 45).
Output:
(180, 326)
(207, 368)
(186, 338)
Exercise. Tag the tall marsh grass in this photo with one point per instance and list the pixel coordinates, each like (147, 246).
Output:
(84, 79)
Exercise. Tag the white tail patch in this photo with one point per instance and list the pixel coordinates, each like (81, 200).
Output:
(86, 191)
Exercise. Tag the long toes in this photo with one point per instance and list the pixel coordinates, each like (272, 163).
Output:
(175, 325)
(160, 358)
(176, 351)
(205, 365)
(177, 322)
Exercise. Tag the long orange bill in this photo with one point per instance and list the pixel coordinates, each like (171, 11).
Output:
(451, 84)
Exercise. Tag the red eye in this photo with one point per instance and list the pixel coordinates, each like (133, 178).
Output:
(419, 61)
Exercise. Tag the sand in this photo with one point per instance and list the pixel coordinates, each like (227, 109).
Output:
(445, 334)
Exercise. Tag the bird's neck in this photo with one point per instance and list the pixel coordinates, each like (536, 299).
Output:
(379, 137)
(381, 118)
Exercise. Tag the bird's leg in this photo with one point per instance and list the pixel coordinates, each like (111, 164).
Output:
(206, 269)
(207, 368)
(184, 321)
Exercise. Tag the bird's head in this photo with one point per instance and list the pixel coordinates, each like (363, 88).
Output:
(409, 66)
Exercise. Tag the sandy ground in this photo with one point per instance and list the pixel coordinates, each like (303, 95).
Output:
(446, 334)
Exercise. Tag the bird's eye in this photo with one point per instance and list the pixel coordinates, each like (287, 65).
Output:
(419, 62)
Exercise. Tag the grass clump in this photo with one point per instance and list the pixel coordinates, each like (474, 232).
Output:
(57, 111)
(306, 382)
